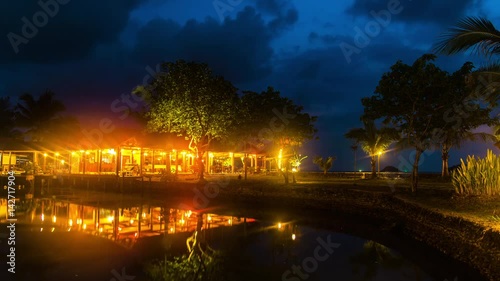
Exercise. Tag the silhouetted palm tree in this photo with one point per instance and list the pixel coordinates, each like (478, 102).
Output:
(42, 118)
(455, 138)
(324, 164)
(373, 140)
(478, 35)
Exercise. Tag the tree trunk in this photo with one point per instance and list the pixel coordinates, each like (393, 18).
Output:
(444, 156)
(414, 173)
(285, 174)
(245, 168)
(201, 166)
(373, 162)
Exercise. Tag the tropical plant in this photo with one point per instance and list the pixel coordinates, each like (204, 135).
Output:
(478, 176)
(462, 114)
(42, 118)
(296, 160)
(201, 264)
(272, 121)
(408, 98)
(471, 33)
(183, 268)
(480, 36)
(324, 164)
(373, 140)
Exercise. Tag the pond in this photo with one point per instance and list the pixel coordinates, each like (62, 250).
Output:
(75, 239)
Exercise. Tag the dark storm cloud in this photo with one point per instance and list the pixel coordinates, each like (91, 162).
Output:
(58, 30)
(282, 22)
(283, 12)
(272, 7)
(327, 39)
(239, 48)
(437, 11)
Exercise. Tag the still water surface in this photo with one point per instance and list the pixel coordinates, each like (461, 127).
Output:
(282, 248)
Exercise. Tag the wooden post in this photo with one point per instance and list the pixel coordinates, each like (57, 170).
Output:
(153, 162)
(141, 159)
(176, 160)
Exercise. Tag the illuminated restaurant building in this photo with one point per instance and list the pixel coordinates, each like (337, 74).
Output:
(123, 156)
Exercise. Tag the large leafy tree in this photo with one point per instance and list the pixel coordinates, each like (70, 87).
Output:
(42, 118)
(373, 140)
(408, 98)
(479, 35)
(186, 98)
(270, 120)
(462, 114)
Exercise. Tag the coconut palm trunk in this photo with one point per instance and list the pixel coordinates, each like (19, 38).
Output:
(373, 163)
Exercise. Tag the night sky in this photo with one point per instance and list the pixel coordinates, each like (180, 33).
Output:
(92, 52)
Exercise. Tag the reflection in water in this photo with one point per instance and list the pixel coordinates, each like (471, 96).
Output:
(213, 247)
(375, 256)
(201, 263)
(124, 225)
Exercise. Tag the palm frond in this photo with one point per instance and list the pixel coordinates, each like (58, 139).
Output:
(471, 33)
(485, 82)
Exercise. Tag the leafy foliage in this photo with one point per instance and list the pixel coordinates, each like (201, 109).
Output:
(478, 176)
(186, 98)
(184, 268)
(471, 33)
(202, 264)
(274, 123)
(480, 36)
(408, 97)
(296, 160)
(324, 164)
(267, 118)
(461, 114)
(373, 140)
(42, 118)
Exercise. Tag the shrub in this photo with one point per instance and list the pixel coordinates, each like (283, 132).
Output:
(479, 176)
(197, 268)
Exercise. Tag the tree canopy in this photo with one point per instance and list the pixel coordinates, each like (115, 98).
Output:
(408, 98)
(276, 124)
(373, 140)
(186, 98)
(42, 118)
(478, 35)
(461, 114)
(428, 106)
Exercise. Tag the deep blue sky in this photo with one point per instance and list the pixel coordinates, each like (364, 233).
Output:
(91, 52)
